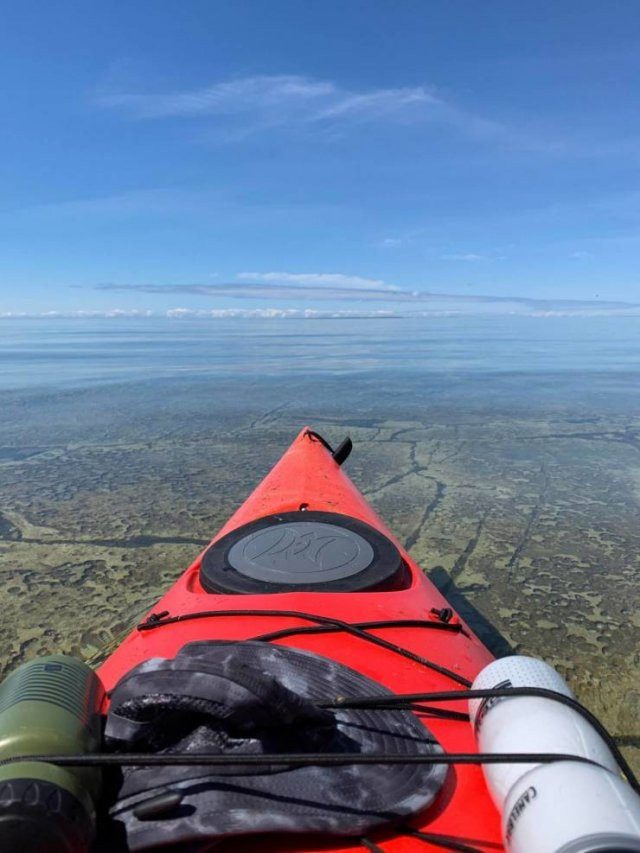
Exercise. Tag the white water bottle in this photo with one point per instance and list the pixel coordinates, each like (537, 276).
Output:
(565, 789)
(569, 807)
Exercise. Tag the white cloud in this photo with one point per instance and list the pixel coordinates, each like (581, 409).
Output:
(249, 103)
(273, 313)
(182, 312)
(581, 255)
(464, 256)
(233, 96)
(378, 103)
(356, 290)
(315, 279)
(398, 302)
(113, 313)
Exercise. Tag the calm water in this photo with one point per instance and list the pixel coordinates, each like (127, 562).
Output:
(505, 452)
(78, 352)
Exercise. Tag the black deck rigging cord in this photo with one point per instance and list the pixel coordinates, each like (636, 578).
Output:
(438, 840)
(293, 759)
(370, 845)
(158, 620)
(454, 628)
(402, 701)
(394, 702)
(410, 701)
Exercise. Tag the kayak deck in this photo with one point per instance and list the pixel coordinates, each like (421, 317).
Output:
(415, 646)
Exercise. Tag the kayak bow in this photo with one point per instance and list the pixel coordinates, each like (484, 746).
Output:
(360, 601)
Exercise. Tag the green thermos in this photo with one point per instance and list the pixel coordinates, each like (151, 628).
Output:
(49, 706)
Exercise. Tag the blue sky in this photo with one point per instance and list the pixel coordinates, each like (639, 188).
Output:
(328, 156)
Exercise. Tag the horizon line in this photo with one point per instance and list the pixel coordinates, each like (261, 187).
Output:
(187, 314)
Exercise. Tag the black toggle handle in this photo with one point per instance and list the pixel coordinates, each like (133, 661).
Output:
(342, 451)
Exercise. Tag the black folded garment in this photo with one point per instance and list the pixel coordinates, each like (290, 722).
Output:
(240, 698)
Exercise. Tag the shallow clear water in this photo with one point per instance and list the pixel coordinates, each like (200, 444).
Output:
(505, 452)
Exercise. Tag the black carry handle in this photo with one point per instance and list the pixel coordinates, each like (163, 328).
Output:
(342, 451)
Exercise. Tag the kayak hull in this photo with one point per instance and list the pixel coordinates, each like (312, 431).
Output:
(308, 478)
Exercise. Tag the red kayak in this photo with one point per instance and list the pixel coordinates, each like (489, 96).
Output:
(358, 599)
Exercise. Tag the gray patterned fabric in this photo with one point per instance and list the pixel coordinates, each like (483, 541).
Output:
(252, 698)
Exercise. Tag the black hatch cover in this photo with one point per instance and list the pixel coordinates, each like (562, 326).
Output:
(301, 551)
